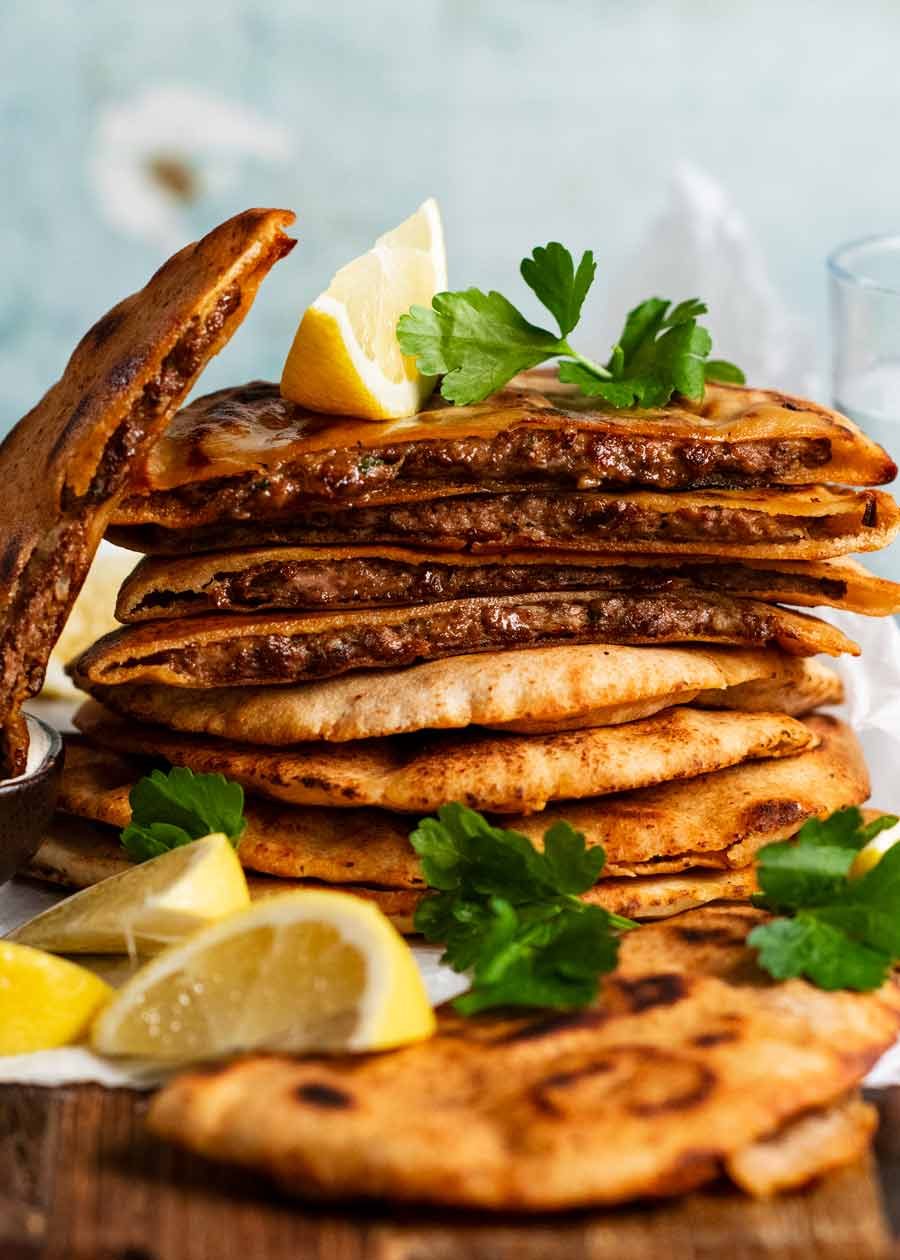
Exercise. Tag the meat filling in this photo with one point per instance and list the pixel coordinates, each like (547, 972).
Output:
(595, 618)
(370, 581)
(579, 521)
(568, 458)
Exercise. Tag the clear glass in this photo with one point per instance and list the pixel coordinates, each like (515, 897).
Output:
(864, 292)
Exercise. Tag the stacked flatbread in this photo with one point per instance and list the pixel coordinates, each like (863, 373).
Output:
(535, 607)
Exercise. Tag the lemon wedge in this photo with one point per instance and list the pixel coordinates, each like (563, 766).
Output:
(297, 972)
(345, 358)
(45, 1002)
(147, 908)
(872, 853)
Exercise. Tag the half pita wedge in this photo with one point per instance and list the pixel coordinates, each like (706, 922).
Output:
(65, 465)
(691, 1056)
(284, 648)
(803, 523)
(310, 579)
(499, 772)
(224, 445)
(541, 689)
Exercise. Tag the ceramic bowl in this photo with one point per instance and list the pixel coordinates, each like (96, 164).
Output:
(27, 802)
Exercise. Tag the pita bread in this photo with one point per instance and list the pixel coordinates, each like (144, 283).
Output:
(324, 578)
(534, 690)
(502, 773)
(78, 852)
(281, 648)
(223, 444)
(64, 466)
(812, 1145)
(691, 1056)
(717, 820)
(805, 523)
(805, 685)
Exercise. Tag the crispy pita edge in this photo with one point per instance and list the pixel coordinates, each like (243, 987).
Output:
(66, 463)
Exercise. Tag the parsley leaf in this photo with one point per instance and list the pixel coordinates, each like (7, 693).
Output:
(169, 810)
(551, 274)
(844, 933)
(511, 913)
(479, 341)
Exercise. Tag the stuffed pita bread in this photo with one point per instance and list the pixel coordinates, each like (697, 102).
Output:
(805, 685)
(691, 1057)
(312, 579)
(539, 690)
(65, 465)
(805, 523)
(232, 453)
(502, 773)
(279, 648)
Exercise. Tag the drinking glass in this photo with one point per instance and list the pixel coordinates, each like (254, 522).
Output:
(864, 292)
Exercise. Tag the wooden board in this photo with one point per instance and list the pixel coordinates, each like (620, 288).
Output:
(81, 1180)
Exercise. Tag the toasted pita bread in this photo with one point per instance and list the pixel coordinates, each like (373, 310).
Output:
(324, 578)
(542, 689)
(222, 445)
(691, 1056)
(805, 685)
(65, 465)
(503, 773)
(806, 523)
(812, 1145)
(717, 820)
(283, 648)
(77, 852)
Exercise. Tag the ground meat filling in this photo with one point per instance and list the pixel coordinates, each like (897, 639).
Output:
(371, 581)
(596, 617)
(579, 521)
(568, 458)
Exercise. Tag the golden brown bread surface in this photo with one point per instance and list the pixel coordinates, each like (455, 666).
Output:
(497, 772)
(715, 821)
(540, 689)
(65, 465)
(691, 1056)
(324, 578)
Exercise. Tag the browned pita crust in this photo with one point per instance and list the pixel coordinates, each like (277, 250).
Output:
(806, 523)
(502, 772)
(805, 685)
(533, 690)
(65, 465)
(691, 1056)
(536, 433)
(282, 648)
(810, 1146)
(324, 578)
(715, 821)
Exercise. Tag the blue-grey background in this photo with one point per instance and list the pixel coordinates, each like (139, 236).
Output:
(127, 129)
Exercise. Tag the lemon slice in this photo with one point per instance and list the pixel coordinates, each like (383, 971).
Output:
(345, 358)
(147, 908)
(45, 1002)
(872, 853)
(298, 972)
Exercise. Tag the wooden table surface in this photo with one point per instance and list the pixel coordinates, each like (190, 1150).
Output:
(81, 1180)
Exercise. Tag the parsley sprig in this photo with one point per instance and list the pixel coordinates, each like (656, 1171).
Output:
(168, 810)
(511, 914)
(839, 932)
(478, 341)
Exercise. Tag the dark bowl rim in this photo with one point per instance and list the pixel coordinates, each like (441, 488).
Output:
(11, 787)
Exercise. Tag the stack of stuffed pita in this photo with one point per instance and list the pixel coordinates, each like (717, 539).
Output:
(534, 606)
